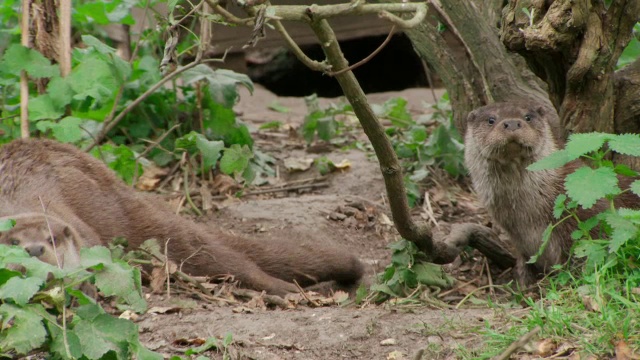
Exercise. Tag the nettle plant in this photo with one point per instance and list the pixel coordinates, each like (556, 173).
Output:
(418, 150)
(616, 249)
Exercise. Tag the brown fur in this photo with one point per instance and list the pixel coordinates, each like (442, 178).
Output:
(33, 232)
(83, 192)
(521, 201)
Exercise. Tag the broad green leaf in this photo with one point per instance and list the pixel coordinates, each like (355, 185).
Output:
(432, 275)
(26, 332)
(587, 185)
(121, 67)
(418, 134)
(6, 274)
(20, 289)
(58, 342)
(594, 251)
(222, 83)
(92, 340)
(553, 161)
(116, 280)
(121, 159)
(275, 106)
(95, 257)
(18, 57)
(630, 53)
(210, 150)
(93, 10)
(43, 107)
(628, 144)
(326, 128)
(59, 92)
(235, 159)
(7, 224)
(582, 144)
(401, 258)
(623, 230)
(94, 78)
(67, 130)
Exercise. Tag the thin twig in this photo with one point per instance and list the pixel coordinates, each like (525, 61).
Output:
(366, 60)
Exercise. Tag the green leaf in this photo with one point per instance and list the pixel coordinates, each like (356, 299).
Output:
(7, 224)
(113, 278)
(210, 150)
(222, 83)
(553, 161)
(235, 159)
(624, 170)
(209, 343)
(635, 187)
(121, 159)
(6, 274)
(18, 57)
(58, 342)
(593, 250)
(418, 134)
(558, 207)
(20, 289)
(326, 128)
(94, 78)
(94, 339)
(546, 236)
(26, 332)
(432, 275)
(623, 230)
(275, 106)
(627, 144)
(582, 144)
(586, 185)
(43, 107)
(59, 92)
(67, 130)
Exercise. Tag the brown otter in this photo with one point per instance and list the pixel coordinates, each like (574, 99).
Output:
(84, 193)
(501, 140)
(51, 240)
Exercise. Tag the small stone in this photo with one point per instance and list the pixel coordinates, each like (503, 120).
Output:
(349, 211)
(388, 342)
(337, 216)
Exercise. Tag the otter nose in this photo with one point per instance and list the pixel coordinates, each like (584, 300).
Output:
(35, 250)
(512, 124)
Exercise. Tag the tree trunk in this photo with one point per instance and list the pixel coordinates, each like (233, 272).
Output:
(465, 51)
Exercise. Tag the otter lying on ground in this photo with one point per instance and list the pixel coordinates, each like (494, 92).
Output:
(501, 140)
(82, 192)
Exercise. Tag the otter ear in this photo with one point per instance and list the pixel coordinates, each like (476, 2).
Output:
(472, 115)
(541, 110)
(67, 232)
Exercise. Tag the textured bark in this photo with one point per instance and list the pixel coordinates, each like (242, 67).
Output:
(574, 47)
(465, 51)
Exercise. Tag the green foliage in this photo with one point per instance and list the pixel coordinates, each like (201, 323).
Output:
(35, 300)
(408, 271)
(600, 299)
(632, 52)
(323, 123)
(418, 150)
(101, 84)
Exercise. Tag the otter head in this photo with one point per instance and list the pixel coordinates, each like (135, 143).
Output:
(34, 236)
(510, 132)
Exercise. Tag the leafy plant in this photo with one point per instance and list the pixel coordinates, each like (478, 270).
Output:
(419, 150)
(323, 123)
(42, 309)
(406, 273)
(594, 310)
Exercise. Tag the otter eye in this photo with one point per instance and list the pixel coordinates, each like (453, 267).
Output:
(492, 120)
(527, 117)
(52, 240)
(14, 242)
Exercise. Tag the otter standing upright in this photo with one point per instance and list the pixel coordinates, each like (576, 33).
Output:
(501, 140)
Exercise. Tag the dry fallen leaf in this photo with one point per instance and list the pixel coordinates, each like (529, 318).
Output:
(297, 164)
(545, 348)
(164, 310)
(590, 303)
(624, 352)
(150, 178)
(395, 355)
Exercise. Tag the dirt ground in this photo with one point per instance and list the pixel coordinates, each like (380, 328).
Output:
(331, 332)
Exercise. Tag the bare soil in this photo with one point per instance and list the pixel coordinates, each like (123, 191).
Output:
(387, 331)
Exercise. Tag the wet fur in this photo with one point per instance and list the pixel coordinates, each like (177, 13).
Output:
(82, 191)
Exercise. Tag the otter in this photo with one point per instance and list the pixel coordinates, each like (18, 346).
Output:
(49, 239)
(501, 140)
(81, 191)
